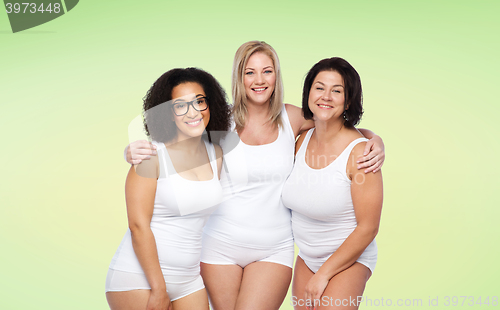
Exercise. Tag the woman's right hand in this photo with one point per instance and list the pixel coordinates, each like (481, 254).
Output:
(159, 300)
(138, 151)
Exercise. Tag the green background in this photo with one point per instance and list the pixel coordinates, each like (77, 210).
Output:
(70, 87)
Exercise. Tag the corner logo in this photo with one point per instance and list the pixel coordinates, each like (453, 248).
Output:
(25, 15)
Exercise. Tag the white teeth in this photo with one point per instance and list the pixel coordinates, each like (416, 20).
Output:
(194, 123)
(259, 89)
(324, 106)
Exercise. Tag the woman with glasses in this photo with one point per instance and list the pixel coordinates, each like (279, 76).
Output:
(248, 248)
(170, 197)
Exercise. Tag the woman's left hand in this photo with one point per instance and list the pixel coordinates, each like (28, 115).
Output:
(313, 291)
(374, 155)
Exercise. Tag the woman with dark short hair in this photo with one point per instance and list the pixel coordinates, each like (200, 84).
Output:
(335, 209)
(170, 197)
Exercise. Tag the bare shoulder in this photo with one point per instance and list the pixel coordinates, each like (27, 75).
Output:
(352, 135)
(358, 149)
(352, 165)
(294, 114)
(352, 170)
(149, 168)
(292, 109)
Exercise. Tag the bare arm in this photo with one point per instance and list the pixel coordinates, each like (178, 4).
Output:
(140, 194)
(367, 200)
(297, 120)
(367, 133)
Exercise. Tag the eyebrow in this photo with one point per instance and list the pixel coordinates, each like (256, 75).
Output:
(337, 85)
(184, 100)
(248, 68)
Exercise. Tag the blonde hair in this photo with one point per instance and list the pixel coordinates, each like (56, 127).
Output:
(238, 88)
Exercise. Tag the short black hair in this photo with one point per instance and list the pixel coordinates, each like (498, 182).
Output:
(158, 122)
(352, 85)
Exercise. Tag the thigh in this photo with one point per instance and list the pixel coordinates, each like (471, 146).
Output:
(346, 288)
(301, 275)
(128, 300)
(264, 286)
(222, 283)
(195, 301)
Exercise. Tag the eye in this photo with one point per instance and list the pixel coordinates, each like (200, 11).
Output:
(336, 91)
(249, 73)
(268, 71)
(319, 88)
(180, 105)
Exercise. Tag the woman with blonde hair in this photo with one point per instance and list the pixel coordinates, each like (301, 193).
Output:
(248, 251)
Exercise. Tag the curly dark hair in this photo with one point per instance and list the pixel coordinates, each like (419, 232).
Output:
(158, 117)
(353, 93)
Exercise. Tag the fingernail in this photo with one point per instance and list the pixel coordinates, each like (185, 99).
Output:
(359, 167)
(365, 153)
(149, 157)
(154, 152)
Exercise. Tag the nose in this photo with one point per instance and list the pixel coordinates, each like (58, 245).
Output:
(327, 96)
(192, 113)
(259, 79)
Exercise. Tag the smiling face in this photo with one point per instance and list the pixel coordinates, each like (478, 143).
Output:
(327, 96)
(193, 123)
(259, 79)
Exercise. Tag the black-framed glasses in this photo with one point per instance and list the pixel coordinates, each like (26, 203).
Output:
(182, 107)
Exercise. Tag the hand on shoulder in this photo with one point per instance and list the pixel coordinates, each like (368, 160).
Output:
(138, 151)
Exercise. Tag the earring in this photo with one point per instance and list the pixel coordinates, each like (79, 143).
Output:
(345, 116)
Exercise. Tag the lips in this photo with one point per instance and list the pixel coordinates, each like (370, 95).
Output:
(259, 89)
(194, 123)
(324, 106)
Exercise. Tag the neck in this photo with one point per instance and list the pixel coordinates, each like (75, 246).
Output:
(328, 132)
(258, 111)
(187, 144)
